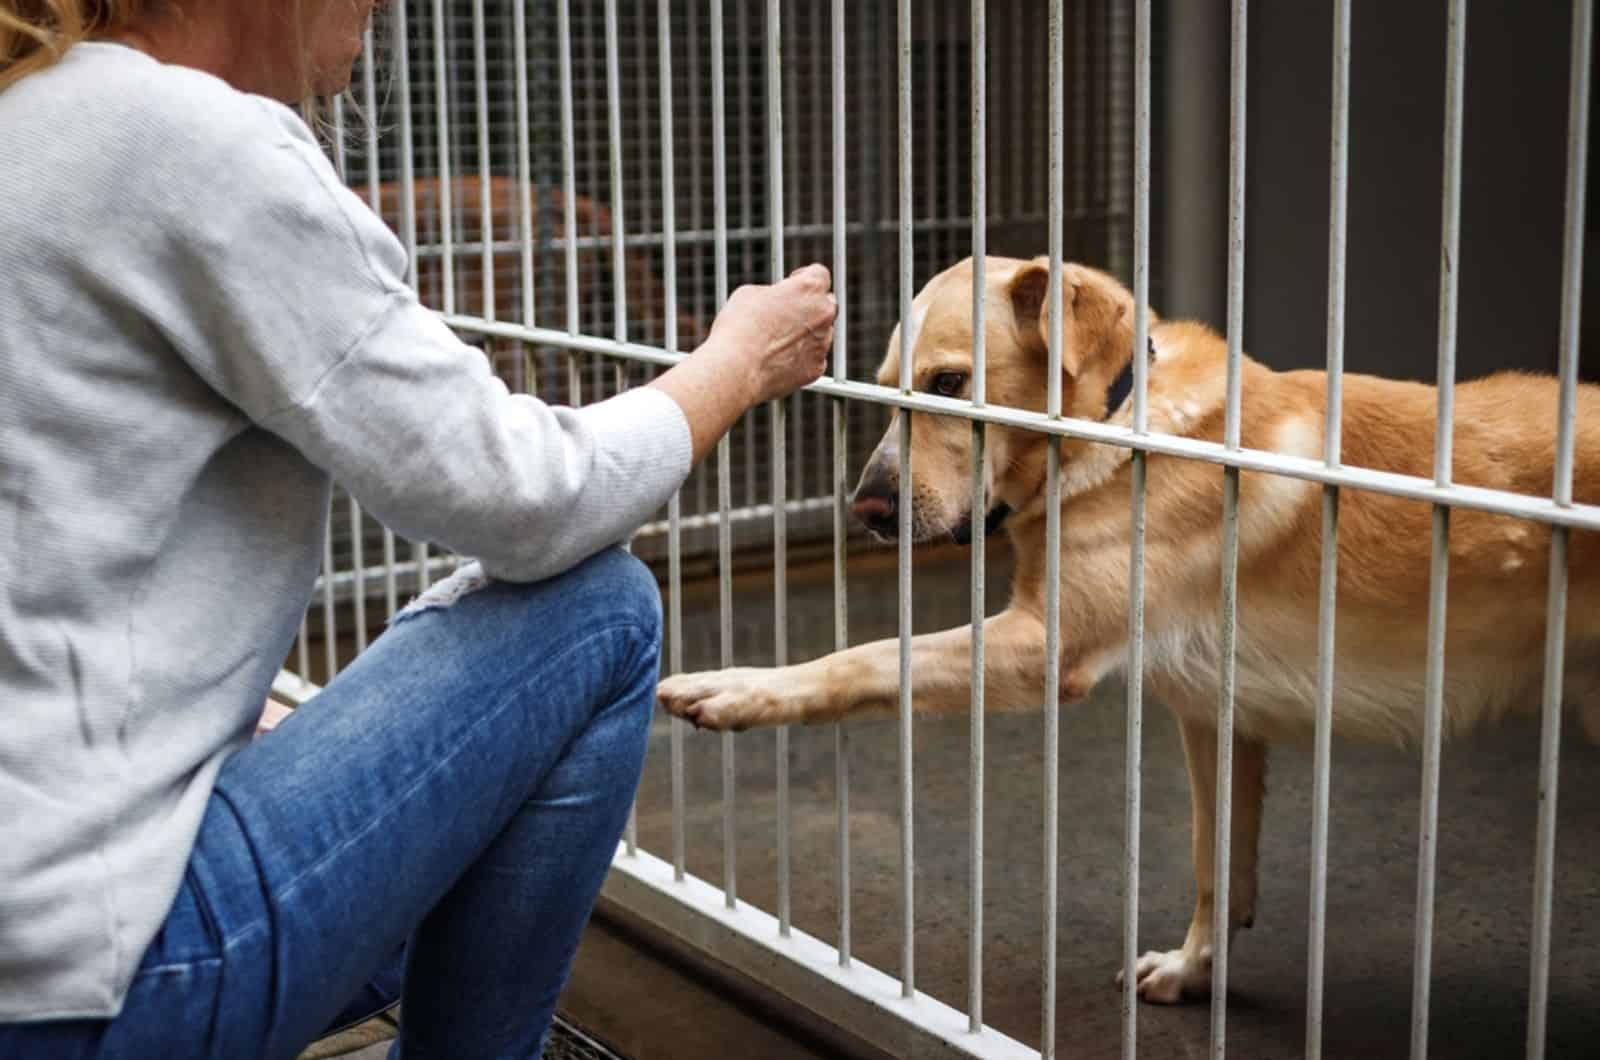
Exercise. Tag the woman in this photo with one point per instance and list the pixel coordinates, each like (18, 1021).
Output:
(199, 327)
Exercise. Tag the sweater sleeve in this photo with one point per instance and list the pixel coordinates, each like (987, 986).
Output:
(287, 295)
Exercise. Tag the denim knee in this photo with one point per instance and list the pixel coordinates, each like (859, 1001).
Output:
(628, 586)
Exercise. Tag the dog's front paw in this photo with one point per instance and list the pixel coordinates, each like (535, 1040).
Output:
(1170, 977)
(733, 700)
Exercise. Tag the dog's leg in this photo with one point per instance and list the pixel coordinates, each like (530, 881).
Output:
(1166, 977)
(867, 679)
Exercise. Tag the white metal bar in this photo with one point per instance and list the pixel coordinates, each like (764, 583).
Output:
(569, 193)
(860, 999)
(841, 365)
(697, 247)
(1052, 531)
(1230, 540)
(907, 856)
(1133, 797)
(358, 573)
(789, 124)
(649, 326)
(1556, 612)
(408, 154)
(330, 627)
(1327, 592)
(1538, 509)
(1020, 103)
(780, 463)
(447, 220)
(619, 268)
(480, 73)
(391, 599)
(524, 227)
(669, 228)
(408, 208)
(1433, 697)
(1549, 764)
(719, 183)
(952, 60)
(369, 98)
(302, 650)
(1572, 248)
(519, 32)
(930, 129)
(1433, 687)
(979, 512)
(741, 32)
(819, 79)
(1082, 183)
(592, 54)
(741, 40)
(340, 132)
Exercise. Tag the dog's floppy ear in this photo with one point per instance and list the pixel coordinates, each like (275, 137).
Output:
(1030, 306)
(1098, 312)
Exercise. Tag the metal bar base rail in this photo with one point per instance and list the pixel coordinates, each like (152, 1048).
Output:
(855, 997)
(1524, 506)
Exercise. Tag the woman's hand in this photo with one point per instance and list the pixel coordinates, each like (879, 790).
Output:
(767, 342)
(783, 331)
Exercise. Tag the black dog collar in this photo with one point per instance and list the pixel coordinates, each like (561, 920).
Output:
(1122, 385)
(962, 534)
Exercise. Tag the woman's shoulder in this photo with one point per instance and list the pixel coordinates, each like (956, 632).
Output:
(116, 97)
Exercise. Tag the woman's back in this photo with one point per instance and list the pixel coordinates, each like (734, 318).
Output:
(153, 542)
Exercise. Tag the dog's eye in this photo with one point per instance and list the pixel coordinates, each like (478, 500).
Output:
(948, 384)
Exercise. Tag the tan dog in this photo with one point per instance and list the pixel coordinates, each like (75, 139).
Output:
(1504, 438)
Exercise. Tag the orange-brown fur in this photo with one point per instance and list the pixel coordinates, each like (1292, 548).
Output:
(1504, 439)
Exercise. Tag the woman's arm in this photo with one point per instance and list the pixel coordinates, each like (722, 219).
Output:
(286, 295)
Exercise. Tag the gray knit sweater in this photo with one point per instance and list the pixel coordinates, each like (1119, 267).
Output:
(199, 326)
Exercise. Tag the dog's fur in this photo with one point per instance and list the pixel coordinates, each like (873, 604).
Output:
(1504, 439)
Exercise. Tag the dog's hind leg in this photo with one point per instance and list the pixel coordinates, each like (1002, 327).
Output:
(1170, 976)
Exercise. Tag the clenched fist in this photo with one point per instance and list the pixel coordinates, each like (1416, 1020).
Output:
(786, 330)
(768, 342)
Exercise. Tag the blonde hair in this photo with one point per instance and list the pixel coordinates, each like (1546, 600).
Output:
(35, 33)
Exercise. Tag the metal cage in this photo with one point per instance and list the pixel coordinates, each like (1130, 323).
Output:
(579, 186)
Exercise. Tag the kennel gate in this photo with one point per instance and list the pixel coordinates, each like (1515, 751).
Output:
(888, 1010)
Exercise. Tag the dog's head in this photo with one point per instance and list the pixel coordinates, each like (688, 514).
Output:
(1097, 340)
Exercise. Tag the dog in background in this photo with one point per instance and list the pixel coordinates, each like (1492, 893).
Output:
(1504, 439)
(646, 297)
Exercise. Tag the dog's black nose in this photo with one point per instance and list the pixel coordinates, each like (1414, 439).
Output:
(875, 502)
(878, 512)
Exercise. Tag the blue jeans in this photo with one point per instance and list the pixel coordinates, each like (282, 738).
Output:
(432, 828)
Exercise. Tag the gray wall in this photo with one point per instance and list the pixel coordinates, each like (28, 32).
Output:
(1514, 166)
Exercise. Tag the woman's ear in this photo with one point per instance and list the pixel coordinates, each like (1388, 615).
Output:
(1030, 308)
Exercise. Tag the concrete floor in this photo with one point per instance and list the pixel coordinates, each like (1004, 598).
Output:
(1486, 829)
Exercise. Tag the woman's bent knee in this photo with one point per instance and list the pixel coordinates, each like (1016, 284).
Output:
(610, 593)
(627, 585)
